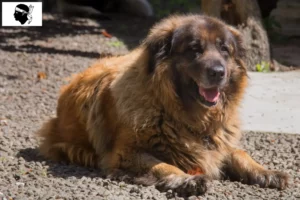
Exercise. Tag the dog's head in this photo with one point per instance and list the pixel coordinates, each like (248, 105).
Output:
(201, 55)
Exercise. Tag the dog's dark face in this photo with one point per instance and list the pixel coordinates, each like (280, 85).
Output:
(202, 54)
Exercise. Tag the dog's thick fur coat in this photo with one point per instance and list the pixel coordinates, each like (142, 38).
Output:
(137, 112)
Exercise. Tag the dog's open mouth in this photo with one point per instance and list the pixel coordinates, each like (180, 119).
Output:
(209, 96)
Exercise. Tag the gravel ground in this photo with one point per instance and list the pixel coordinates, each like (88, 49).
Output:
(35, 62)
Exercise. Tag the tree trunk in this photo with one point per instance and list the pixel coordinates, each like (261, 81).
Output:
(246, 16)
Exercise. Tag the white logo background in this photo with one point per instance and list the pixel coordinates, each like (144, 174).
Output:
(8, 10)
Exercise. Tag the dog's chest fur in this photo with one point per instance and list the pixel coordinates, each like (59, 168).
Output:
(179, 145)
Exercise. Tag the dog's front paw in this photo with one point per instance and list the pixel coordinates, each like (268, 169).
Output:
(268, 179)
(184, 185)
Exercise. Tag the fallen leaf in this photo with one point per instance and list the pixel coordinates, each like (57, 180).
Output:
(106, 34)
(41, 75)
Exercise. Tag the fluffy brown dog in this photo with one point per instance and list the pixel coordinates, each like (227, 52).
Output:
(168, 109)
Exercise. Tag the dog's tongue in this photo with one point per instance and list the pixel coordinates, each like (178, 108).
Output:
(211, 94)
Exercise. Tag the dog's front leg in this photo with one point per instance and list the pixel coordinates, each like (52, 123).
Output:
(170, 177)
(164, 176)
(241, 167)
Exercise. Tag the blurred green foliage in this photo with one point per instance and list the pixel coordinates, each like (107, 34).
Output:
(271, 23)
(263, 67)
(116, 43)
(273, 27)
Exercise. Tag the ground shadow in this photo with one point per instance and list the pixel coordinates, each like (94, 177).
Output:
(65, 170)
(59, 169)
(38, 49)
(128, 29)
(9, 77)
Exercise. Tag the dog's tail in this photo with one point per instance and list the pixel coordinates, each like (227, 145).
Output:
(53, 147)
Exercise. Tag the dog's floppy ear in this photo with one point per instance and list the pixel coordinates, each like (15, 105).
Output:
(239, 42)
(158, 43)
(240, 51)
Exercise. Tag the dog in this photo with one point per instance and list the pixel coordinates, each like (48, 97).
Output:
(166, 113)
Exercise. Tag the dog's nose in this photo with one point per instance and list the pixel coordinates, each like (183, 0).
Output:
(216, 73)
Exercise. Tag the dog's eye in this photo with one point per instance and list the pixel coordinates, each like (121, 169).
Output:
(197, 50)
(224, 48)
(193, 52)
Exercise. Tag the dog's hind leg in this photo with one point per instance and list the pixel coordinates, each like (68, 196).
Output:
(75, 154)
(61, 147)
